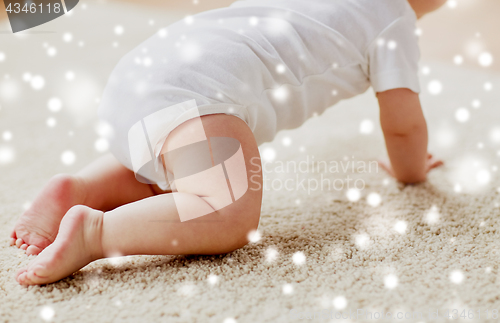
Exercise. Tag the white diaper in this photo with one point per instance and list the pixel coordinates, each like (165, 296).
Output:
(272, 63)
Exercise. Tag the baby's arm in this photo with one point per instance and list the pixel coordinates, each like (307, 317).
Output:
(405, 132)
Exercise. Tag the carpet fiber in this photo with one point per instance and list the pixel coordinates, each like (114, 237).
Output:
(383, 248)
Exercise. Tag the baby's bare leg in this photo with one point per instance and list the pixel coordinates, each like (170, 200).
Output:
(104, 184)
(153, 225)
(108, 184)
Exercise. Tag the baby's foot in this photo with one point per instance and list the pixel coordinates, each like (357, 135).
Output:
(77, 244)
(37, 227)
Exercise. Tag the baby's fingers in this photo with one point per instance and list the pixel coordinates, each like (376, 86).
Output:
(386, 166)
(435, 163)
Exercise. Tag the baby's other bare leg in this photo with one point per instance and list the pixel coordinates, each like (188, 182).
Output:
(107, 184)
(153, 225)
(104, 184)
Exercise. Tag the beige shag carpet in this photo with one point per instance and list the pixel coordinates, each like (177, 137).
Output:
(414, 249)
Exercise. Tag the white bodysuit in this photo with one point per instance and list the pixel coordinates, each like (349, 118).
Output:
(273, 63)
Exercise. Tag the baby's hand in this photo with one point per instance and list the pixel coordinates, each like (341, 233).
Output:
(430, 164)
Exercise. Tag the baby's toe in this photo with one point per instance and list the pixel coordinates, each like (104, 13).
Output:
(21, 275)
(24, 246)
(30, 277)
(41, 271)
(33, 250)
(12, 241)
(19, 242)
(34, 275)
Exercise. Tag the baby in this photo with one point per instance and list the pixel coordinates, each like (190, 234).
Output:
(188, 109)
